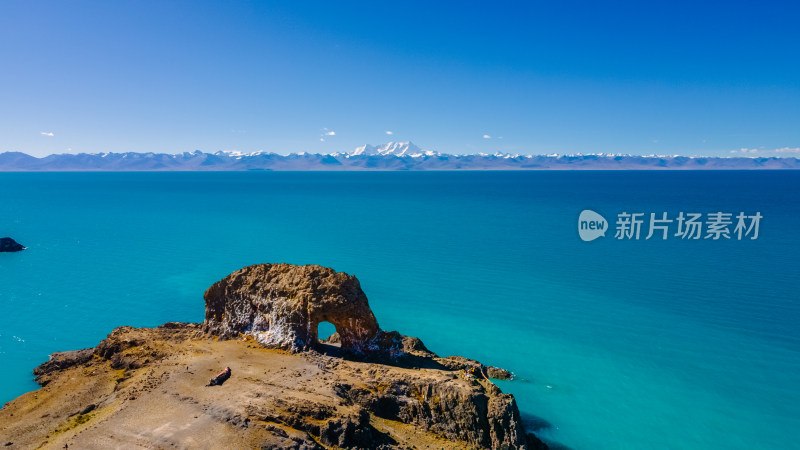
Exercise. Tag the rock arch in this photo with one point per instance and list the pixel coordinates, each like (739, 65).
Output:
(281, 305)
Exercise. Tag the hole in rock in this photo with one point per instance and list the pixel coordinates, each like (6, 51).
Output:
(325, 330)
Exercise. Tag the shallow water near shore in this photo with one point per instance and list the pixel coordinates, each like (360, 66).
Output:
(615, 344)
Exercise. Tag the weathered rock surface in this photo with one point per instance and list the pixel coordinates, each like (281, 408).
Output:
(147, 387)
(9, 245)
(280, 305)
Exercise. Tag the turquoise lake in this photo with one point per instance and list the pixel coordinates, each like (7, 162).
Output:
(615, 344)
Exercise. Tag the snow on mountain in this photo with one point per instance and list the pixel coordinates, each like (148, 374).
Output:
(389, 156)
(393, 149)
(236, 153)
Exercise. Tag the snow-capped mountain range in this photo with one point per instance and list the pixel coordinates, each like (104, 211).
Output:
(393, 149)
(389, 156)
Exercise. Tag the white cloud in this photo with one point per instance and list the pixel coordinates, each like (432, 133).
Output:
(326, 132)
(48, 133)
(389, 132)
(486, 136)
(788, 150)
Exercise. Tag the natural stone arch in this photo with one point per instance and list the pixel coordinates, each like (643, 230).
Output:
(325, 331)
(281, 305)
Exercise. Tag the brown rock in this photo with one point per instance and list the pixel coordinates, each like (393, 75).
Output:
(147, 386)
(63, 360)
(280, 305)
(498, 373)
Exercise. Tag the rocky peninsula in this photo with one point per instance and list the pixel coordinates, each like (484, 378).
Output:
(282, 387)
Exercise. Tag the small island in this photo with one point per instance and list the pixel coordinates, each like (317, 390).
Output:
(10, 245)
(283, 387)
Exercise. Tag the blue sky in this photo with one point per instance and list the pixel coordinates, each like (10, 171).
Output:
(692, 78)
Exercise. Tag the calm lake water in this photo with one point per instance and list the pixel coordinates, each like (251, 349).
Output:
(615, 343)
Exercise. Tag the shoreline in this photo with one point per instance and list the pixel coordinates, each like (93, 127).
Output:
(149, 386)
(279, 385)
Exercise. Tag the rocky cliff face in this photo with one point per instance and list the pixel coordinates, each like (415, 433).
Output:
(147, 387)
(281, 305)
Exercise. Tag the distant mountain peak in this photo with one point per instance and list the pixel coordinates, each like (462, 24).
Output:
(389, 156)
(392, 149)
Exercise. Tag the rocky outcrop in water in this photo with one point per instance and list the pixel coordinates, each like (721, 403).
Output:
(281, 305)
(148, 387)
(9, 245)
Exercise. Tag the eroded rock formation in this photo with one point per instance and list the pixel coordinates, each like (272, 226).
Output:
(281, 305)
(148, 386)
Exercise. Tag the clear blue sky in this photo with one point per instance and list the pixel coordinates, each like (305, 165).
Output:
(665, 77)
